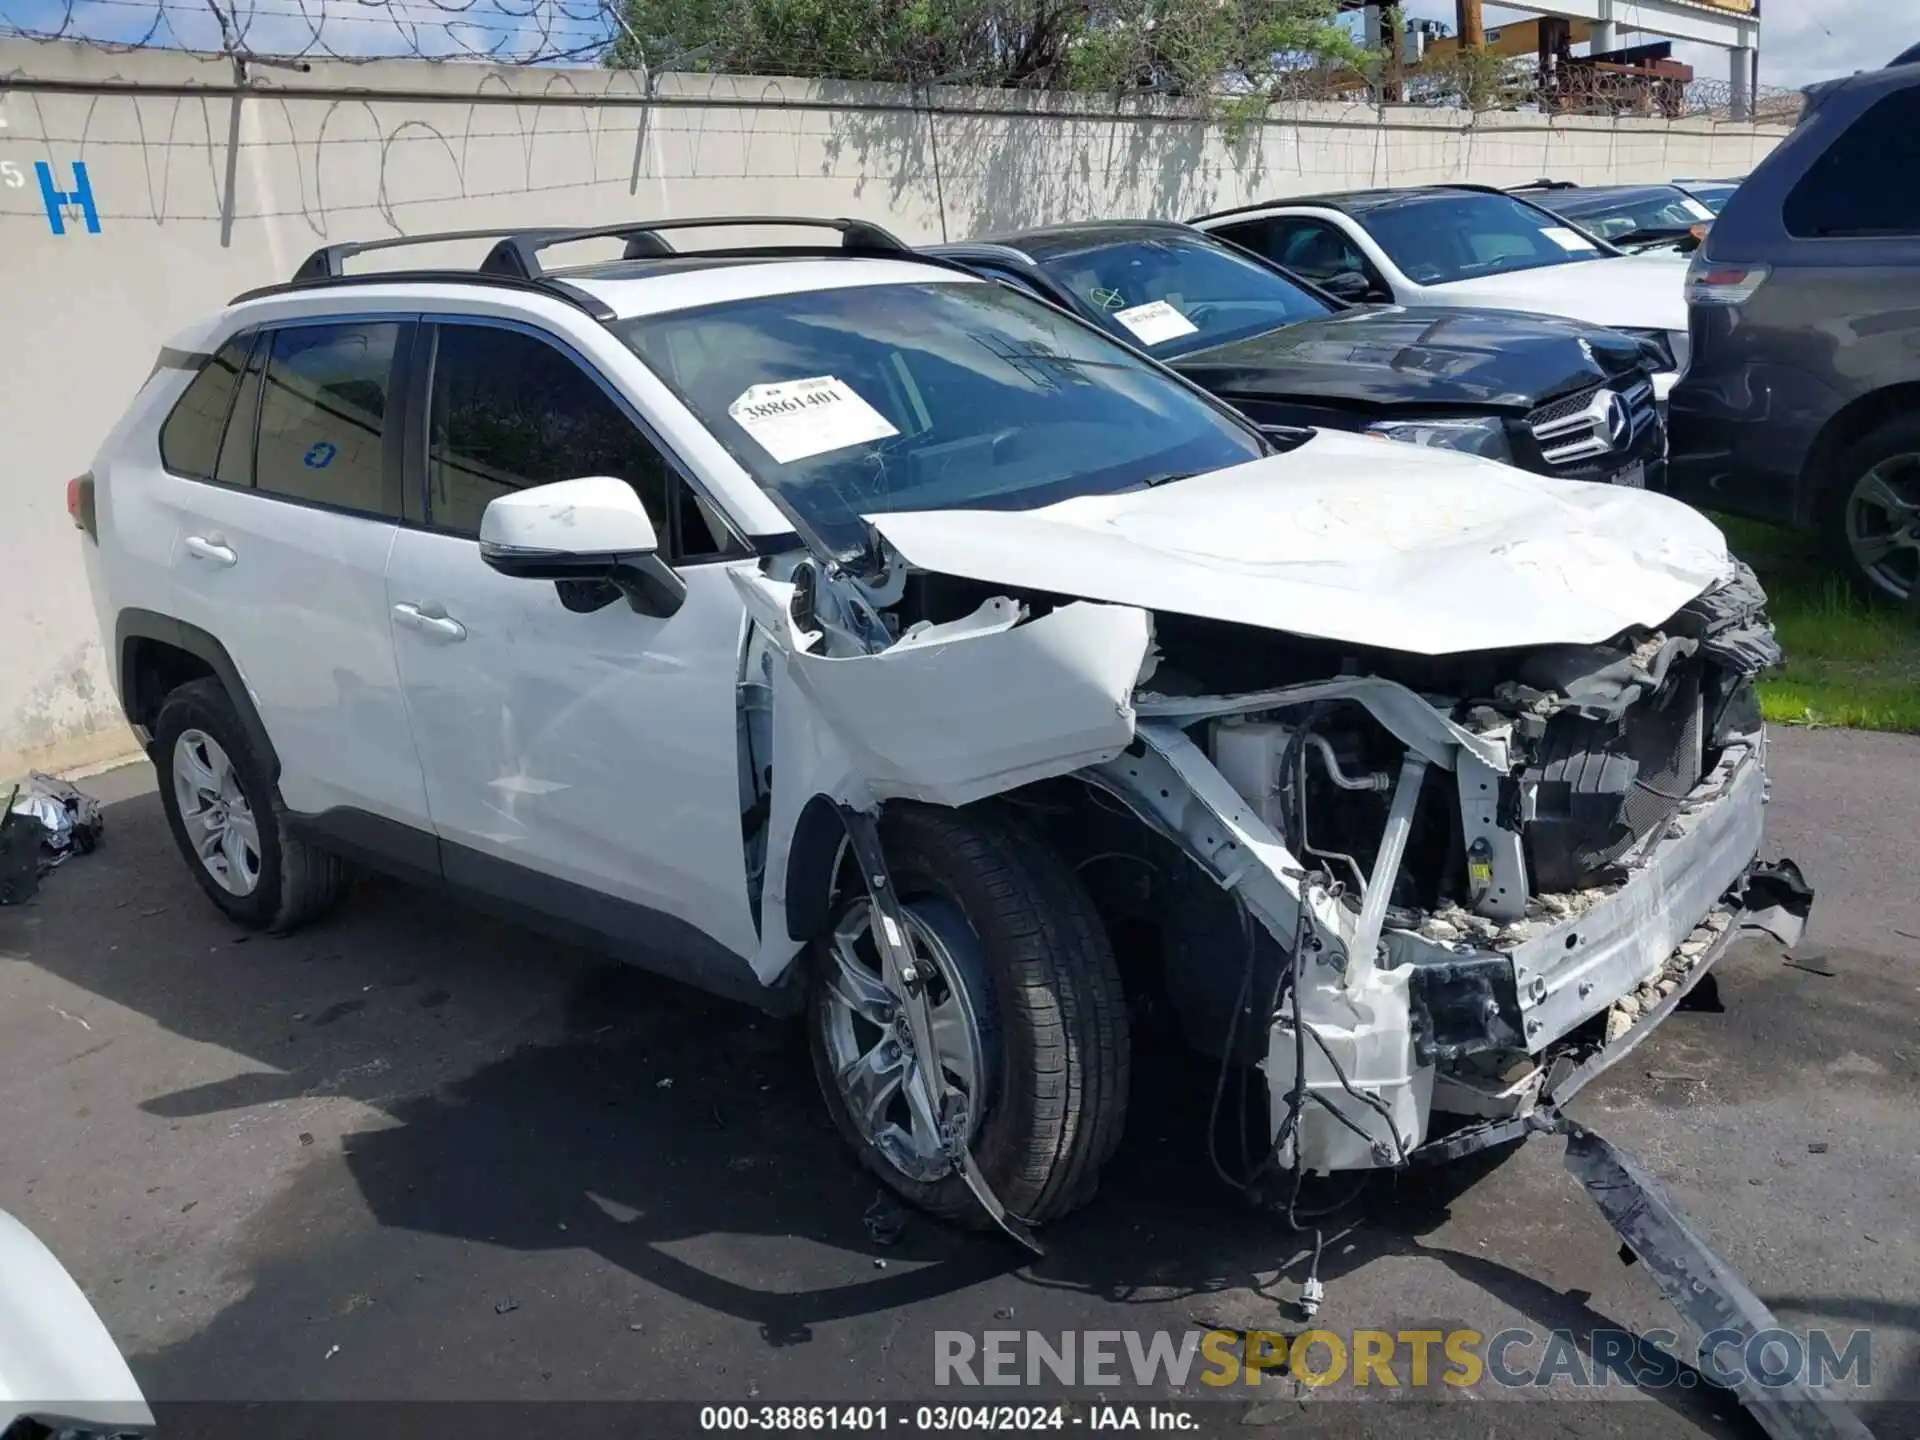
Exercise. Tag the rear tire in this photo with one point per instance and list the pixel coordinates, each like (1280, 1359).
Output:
(228, 819)
(1027, 946)
(1870, 511)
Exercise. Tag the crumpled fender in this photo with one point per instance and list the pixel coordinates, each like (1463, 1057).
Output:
(948, 714)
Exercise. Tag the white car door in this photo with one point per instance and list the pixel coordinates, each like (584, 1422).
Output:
(585, 765)
(284, 523)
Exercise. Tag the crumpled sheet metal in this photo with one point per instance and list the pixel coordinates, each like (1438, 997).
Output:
(46, 822)
(71, 817)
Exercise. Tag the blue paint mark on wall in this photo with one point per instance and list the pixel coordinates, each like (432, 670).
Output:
(80, 197)
(319, 456)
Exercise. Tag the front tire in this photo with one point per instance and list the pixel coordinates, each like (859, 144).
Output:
(1029, 1014)
(1872, 511)
(228, 819)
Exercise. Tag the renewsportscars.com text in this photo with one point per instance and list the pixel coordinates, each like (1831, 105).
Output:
(1413, 1359)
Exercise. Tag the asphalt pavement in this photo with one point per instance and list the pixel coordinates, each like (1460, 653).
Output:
(414, 1154)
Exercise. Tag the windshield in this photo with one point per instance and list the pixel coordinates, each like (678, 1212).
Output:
(1714, 197)
(1173, 295)
(1613, 216)
(1439, 238)
(928, 396)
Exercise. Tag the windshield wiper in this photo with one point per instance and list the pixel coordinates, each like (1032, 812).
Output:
(1153, 482)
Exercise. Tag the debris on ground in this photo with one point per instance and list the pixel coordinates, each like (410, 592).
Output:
(1818, 1147)
(1812, 964)
(46, 823)
(885, 1219)
(506, 1304)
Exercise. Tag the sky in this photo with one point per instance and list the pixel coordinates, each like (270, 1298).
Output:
(1801, 41)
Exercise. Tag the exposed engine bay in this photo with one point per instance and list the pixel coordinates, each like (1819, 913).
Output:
(1460, 871)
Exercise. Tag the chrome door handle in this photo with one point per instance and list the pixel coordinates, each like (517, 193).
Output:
(212, 549)
(413, 617)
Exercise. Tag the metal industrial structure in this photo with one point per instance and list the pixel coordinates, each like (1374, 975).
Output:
(1645, 68)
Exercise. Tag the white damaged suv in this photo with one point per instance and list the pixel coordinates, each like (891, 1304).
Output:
(838, 631)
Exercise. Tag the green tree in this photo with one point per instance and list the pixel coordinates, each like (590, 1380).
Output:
(1231, 48)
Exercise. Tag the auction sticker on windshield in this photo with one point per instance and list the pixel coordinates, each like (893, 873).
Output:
(1155, 322)
(1567, 239)
(798, 419)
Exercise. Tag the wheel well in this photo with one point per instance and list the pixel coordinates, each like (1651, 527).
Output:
(1849, 424)
(153, 670)
(813, 860)
(158, 654)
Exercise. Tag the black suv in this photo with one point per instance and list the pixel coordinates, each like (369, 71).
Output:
(1801, 404)
(1555, 396)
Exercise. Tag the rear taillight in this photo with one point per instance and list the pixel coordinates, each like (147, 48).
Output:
(1711, 284)
(80, 504)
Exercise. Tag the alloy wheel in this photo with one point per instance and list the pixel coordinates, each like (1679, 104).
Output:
(214, 812)
(870, 1049)
(1883, 525)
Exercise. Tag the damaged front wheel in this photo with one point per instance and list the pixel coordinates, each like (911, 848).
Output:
(1028, 1018)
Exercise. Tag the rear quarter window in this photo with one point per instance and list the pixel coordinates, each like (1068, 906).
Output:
(190, 435)
(1868, 181)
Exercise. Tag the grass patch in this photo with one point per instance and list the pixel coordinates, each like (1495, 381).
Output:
(1850, 662)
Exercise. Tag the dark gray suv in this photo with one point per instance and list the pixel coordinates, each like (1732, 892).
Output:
(1801, 404)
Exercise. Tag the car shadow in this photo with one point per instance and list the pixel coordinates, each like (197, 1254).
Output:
(581, 1105)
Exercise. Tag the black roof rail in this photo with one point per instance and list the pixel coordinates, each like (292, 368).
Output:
(1545, 184)
(557, 289)
(516, 253)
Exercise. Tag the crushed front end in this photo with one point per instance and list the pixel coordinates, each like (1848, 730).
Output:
(1479, 877)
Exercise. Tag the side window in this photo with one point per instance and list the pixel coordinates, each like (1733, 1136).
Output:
(509, 411)
(1868, 182)
(236, 450)
(1262, 237)
(1317, 250)
(190, 438)
(323, 415)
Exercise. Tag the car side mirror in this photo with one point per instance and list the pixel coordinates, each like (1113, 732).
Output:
(590, 537)
(1350, 285)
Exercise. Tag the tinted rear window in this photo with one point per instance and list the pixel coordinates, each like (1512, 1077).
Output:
(190, 438)
(1868, 181)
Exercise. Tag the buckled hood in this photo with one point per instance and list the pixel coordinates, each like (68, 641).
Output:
(1351, 539)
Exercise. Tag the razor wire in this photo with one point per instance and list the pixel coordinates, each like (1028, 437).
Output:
(595, 32)
(500, 32)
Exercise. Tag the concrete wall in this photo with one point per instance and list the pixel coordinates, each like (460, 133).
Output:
(204, 186)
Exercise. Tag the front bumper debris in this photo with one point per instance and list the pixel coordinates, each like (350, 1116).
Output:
(1773, 898)
(1698, 1283)
(1709, 1297)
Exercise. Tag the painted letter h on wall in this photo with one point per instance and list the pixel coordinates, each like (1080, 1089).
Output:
(56, 200)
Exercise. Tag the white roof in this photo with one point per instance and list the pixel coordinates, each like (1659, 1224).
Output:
(678, 289)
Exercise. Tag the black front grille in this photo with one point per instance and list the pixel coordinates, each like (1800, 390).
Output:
(1560, 409)
(1602, 786)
